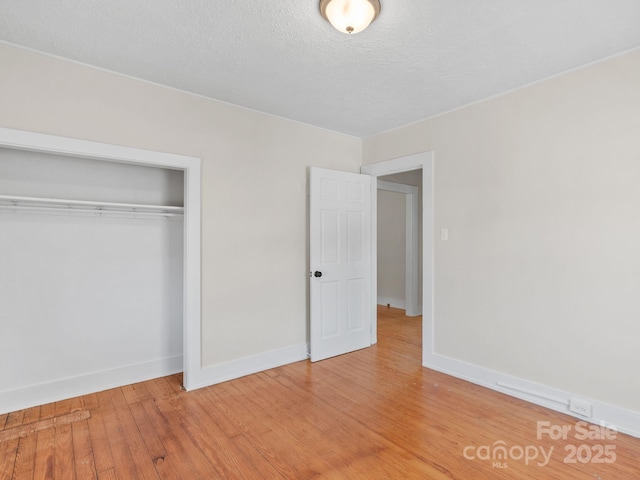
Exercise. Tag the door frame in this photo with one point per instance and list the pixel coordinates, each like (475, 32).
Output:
(411, 193)
(191, 168)
(424, 161)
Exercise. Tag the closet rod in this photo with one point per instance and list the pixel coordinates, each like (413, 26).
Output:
(99, 206)
(94, 211)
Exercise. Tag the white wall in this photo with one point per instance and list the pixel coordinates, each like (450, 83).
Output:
(85, 295)
(46, 175)
(539, 191)
(254, 184)
(391, 248)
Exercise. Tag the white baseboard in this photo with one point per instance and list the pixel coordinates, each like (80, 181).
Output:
(394, 302)
(623, 420)
(401, 304)
(43, 393)
(223, 372)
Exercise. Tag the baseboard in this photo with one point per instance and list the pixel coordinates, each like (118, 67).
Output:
(394, 302)
(43, 393)
(223, 372)
(623, 420)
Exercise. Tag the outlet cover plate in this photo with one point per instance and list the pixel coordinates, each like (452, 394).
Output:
(580, 407)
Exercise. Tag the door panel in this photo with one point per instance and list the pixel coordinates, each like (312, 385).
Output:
(340, 246)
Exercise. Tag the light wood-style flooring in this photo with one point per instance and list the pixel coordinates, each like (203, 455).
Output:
(371, 414)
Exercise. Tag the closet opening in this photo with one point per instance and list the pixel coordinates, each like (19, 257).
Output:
(97, 275)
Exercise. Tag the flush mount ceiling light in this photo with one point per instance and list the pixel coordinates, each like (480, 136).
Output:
(350, 16)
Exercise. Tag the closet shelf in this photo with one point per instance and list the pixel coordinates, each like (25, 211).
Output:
(18, 203)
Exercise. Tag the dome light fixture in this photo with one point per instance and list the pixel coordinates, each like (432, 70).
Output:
(350, 16)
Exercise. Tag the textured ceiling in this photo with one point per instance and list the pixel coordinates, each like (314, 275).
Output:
(418, 59)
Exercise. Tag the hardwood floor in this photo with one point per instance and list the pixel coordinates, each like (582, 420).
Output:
(371, 414)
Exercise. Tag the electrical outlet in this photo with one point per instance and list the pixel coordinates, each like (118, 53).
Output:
(580, 407)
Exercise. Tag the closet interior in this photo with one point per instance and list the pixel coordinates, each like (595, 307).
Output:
(91, 272)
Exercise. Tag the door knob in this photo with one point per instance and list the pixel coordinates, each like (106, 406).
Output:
(317, 274)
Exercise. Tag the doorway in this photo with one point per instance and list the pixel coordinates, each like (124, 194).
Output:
(425, 162)
(398, 248)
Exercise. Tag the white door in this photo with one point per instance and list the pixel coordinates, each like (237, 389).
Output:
(340, 259)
